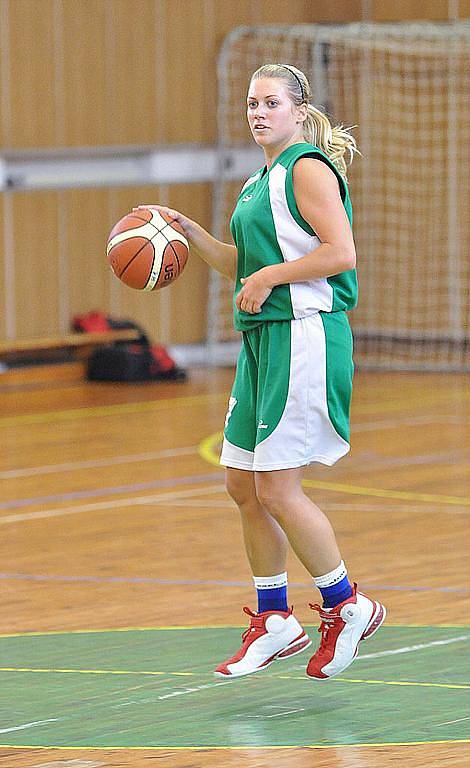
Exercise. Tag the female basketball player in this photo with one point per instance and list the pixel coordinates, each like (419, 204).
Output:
(293, 264)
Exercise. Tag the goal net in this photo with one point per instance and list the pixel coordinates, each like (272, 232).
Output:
(405, 87)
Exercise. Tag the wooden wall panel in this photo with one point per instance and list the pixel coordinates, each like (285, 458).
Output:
(87, 275)
(463, 9)
(84, 74)
(134, 113)
(192, 90)
(2, 272)
(31, 73)
(190, 292)
(36, 259)
(92, 72)
(398, 10)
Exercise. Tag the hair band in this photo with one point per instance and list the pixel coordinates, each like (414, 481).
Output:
(298, 80)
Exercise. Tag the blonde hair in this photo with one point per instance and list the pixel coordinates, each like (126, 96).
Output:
(335, 141)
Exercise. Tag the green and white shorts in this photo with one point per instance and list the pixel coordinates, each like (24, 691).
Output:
(291, 395)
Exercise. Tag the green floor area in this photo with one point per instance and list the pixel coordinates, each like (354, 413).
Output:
(155, 688)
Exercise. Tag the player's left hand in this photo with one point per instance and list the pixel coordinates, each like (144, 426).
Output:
(256, 289)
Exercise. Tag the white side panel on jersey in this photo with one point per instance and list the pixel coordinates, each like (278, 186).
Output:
(312, 295)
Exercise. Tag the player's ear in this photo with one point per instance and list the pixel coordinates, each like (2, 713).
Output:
(301, 113)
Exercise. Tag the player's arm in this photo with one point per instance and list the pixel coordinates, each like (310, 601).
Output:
(319, 202)
(318, 199)
(220, 256)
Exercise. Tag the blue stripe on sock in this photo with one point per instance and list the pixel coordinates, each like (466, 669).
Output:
(334, 595)
(272, 599)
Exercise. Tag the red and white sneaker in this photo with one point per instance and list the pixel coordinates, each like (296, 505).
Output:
(342, 629)
(271, 635)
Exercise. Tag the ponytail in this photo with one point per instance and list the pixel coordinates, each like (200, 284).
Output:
(335, 141)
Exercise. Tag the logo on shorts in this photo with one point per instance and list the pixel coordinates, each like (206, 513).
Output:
(246, 198)
(261, 425)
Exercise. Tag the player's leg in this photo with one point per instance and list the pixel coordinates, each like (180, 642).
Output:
(305, 421)
(265, 541)
(348, 616)
(273, 632)
(308, 529)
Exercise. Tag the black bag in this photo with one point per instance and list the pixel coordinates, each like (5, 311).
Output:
(124, 361)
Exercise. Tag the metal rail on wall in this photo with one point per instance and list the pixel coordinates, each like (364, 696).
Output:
(123, 166)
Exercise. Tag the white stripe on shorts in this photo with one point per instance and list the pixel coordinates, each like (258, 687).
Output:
(305, 432)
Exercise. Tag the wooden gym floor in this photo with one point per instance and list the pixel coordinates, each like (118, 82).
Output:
(114, 517)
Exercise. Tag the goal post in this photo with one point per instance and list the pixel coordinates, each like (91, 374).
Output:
(405, 86)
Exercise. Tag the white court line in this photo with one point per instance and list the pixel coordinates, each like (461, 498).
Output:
(49, 469)
(29, 725)
(333, 506)
(194, 690)
(451, 722)
(200, 503)
(405, 649)
(411, 648)
(135, 501)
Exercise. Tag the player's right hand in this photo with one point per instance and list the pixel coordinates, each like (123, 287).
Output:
(182, 220)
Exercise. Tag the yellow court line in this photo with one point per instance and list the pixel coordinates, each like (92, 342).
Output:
(110, 410)
(193, 674)
(380, 682)
(184, 627)
(96, 671)
(245, 748)
(359, 490)
(206, 450)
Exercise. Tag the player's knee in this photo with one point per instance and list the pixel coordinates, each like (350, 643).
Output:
(240, 486)
(271, 495)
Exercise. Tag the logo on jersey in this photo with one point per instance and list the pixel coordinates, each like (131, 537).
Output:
(261, 425)
(246, 198)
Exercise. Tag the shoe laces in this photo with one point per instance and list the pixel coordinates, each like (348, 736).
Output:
(257, 621)
(328, 621)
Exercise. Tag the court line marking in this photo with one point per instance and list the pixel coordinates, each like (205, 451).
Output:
(154, 673)
(119, 409)
(114, 490)
(206, 451)
(384, 682)
(412, 648)
(48, 469)
(451, 722)
(77, 579)
(29, 725)
(98, 672)
(183, 627)
(151, 405)
(210, 747)
(133, 501)
(408, 421)
(195, 689)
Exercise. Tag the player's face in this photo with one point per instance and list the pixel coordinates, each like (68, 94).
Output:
(273, 118)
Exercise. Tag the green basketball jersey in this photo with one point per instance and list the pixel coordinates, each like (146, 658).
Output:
(267, 228)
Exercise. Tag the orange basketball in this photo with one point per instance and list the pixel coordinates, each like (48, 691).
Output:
(147, 249)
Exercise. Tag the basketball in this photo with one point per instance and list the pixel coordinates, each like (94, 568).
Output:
(147, 250)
